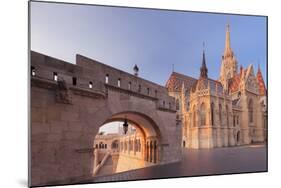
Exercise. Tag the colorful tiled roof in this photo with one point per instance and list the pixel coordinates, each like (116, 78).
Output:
(234, 83)
(262, 88)
(174, 83)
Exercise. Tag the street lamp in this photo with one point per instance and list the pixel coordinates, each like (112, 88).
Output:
(125, 126)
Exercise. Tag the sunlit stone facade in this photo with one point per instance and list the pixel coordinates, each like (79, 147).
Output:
(229, 111)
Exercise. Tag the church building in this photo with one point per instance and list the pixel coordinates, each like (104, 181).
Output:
(229, 111)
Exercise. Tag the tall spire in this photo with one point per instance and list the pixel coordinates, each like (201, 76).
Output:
(203, 69)
(227, 49)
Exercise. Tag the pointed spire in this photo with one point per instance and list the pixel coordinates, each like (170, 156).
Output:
(259, 68)
(203, 69)
(227, 49)
(262, 88)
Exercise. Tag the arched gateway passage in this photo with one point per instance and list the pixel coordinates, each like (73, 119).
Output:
(66, 117)
(137, 148)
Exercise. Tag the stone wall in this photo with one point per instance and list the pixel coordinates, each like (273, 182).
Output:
(65, 117)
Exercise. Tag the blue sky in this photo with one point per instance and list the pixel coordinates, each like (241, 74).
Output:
(152, 39)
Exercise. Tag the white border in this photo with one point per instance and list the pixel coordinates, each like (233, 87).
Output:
(13, 94)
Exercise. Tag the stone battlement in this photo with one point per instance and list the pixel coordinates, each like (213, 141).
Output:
(88, 76)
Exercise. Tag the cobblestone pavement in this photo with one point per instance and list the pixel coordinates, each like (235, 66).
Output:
(251, 158)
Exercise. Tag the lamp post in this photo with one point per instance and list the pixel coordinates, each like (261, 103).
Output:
(125, 126)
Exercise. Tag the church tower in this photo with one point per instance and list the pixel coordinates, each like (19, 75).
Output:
(229, 63)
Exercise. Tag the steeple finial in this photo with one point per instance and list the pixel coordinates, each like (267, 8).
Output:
(203, 69)
(227, 49)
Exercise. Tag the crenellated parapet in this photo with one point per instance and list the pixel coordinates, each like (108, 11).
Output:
(91, 78)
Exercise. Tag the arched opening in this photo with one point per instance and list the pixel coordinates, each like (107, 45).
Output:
(202, 114)
(250, 110)
(238, 138)
(227, 116)
(177, 104)
(212, 114)
(137, 146)
(220, 114)
(194, 116)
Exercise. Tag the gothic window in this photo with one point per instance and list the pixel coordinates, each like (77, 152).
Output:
(213, 113)
(203, 114)
(194, 116)
(250, 109)
(227, 118)
(220, 113)
(177, 104)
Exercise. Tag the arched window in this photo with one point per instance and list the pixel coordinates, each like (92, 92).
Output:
(194, 116)
(227, 114)
(213, 114)
(129, 85)
(55, 76)
(202, 115)
(177, 104)
(119, 82)
(250, 109)
(106, 78)
(33, 73)
(220, 113)
(90, 85)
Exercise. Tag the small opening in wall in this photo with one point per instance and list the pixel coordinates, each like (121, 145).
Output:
(164, 104)
(55, 76)
(155, 93)
(139, 88)
(106, 78)
(119, 82)
(147, 91)
(74, 81)
(170, 106)
(90, 85)
(33, 71)
(130, 85)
